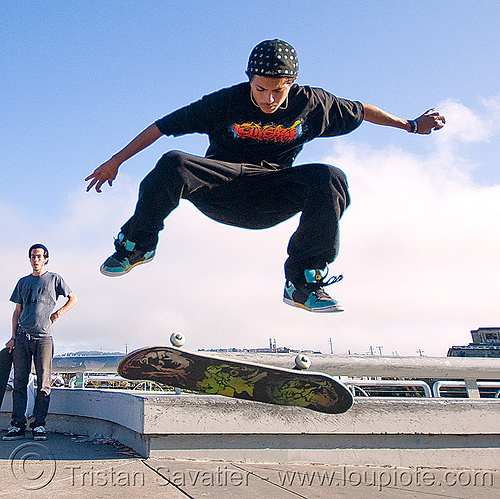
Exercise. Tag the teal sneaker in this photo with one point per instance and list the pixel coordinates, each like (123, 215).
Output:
(310, 295)
(126, 257)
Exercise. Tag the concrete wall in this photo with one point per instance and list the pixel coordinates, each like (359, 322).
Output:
(394, 432)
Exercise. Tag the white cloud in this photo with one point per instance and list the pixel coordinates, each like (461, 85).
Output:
(421, 247)
(464, 124)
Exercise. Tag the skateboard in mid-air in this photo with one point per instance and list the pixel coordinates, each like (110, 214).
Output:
(5, 365)
(244, 380)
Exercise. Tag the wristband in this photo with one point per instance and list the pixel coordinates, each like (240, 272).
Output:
(413, 126)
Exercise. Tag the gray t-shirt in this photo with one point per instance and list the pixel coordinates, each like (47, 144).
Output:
(38, 296)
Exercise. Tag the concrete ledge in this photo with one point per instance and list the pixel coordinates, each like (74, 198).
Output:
(382, 432)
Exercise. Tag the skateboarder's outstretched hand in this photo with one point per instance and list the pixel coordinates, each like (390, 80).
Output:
(430, 120)
(107, 171)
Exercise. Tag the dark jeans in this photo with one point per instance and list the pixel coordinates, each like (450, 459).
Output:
(248, 196)
(41, 351)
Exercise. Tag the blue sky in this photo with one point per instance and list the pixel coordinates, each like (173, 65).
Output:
(81, 79)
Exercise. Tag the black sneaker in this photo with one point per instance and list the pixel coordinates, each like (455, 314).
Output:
(310, 295)
(15, 433)
(39, 433)
(126, 257)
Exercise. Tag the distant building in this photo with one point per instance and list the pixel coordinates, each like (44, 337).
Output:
(485, 343)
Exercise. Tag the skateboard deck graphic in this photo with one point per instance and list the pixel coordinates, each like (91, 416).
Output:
(231, 378)
(5, 365)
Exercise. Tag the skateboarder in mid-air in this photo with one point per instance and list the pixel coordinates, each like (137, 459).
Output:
(246, 179)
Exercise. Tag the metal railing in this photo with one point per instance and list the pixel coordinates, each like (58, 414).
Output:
(397, 387)
(439, 385)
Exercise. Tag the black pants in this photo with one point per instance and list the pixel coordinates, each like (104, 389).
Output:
(41, 351)
(248, 196)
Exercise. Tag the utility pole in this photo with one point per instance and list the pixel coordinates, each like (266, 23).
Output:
(331, 345)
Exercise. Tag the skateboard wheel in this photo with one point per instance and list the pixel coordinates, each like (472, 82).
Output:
(302, 361)
(177, 339)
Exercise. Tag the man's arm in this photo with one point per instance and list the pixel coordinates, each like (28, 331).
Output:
(107, 171)
(430, 120)
(72, 300)
(15, 323)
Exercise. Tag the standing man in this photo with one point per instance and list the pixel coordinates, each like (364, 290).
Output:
(246, 179)
(35, 296)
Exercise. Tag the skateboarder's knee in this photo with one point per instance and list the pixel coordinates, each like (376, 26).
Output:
(321, 174)
(171, 159)
(169, 164)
